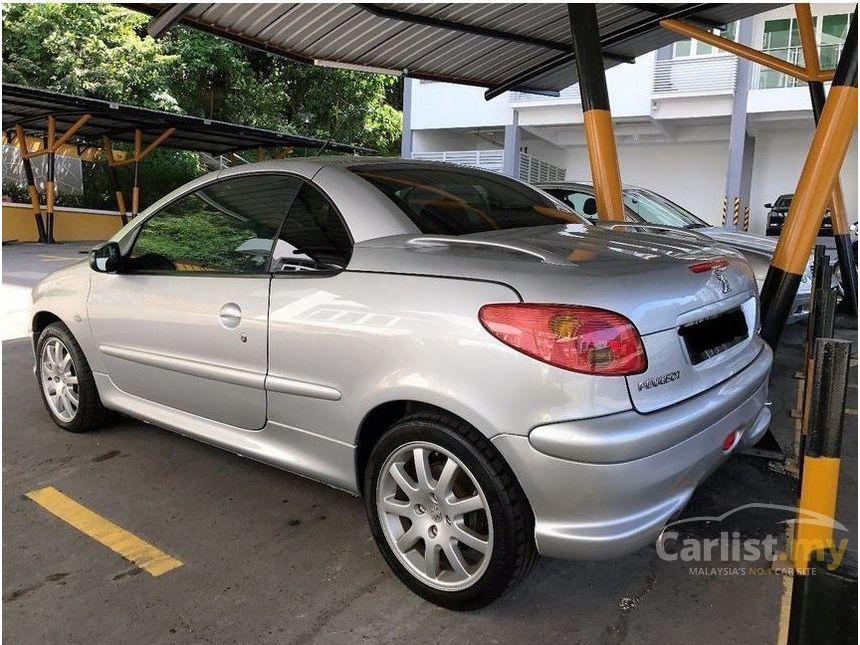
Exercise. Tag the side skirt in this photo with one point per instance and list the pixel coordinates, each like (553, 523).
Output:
(298, 451)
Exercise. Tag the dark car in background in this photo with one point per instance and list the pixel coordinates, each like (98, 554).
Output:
(779, 211)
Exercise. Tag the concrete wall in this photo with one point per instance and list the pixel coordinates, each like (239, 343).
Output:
(70, 224)
(690, 174)
(779, 157)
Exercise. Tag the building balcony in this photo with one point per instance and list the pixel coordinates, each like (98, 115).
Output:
(695, 76)
(531, 169)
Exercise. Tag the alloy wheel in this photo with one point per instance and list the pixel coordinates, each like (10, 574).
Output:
(434, 516)
(59, 379)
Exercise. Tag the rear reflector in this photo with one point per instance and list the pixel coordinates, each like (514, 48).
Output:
(579, 339)
(708, 265)
(729, 441)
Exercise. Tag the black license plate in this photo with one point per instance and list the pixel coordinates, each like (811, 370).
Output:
(707, 338)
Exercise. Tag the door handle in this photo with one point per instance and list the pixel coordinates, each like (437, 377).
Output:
(230, 315)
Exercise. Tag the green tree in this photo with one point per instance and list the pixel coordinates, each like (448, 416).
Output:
(101, 50)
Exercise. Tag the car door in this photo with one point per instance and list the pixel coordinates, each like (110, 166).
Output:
(184, 323)
(309, 292)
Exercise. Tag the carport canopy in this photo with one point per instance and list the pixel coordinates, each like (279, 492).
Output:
(501, 46)
(30, 108)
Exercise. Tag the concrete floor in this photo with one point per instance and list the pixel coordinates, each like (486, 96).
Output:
(273, 558)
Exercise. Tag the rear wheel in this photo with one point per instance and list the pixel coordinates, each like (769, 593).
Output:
(66, 381)
(446, 512)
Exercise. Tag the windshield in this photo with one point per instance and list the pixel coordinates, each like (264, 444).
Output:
(449, 201)
(652, 208)
(783, 201)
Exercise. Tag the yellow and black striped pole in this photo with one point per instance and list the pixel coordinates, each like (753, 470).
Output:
(736, 212)
(838, 215)
(820, 171)
(32, 191)
(746, 218)
(602, 154)
(819, 476)
(725, 209)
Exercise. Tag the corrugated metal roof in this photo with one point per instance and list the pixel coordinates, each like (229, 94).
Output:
(520, 46)
(30, 107)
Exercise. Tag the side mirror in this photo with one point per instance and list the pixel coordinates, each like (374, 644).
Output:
(853, 228)
(105, 259)
(768, 205)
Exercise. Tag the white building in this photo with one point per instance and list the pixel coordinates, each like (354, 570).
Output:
(671, 111)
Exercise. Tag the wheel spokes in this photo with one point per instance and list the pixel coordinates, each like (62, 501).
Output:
(422, 469)
(455, 559)
(409, 538)
(465, 536)
(460, 507)
(403, 480)
(397, 507)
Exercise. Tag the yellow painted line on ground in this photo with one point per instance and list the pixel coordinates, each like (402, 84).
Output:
(851, 411)
(784, 610)
(141, 553)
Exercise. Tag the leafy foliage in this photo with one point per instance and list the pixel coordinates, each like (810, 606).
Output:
(101, 50)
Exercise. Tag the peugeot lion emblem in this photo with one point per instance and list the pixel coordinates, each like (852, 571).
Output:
(724, 282)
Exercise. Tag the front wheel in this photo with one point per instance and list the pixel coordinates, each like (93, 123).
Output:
(446, 512)
(66, 381)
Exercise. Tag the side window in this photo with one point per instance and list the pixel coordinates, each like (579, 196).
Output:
(225, 227)
(313, 237)
(583, 203)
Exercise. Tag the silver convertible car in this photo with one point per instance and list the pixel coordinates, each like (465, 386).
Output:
(495, 376)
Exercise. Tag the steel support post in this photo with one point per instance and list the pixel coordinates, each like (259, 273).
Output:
(120, 198)
(602, 155)
(32, 191)
(838, 215)
(820, 171)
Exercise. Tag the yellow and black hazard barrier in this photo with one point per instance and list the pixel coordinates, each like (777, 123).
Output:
(746, 218)
(824, 589)
(819, 472)
(725, 209)
(736, 212)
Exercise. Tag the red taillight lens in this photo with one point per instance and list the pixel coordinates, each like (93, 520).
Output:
(707, 265)
(580, 339)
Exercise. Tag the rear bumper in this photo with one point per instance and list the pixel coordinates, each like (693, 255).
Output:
(612, 483)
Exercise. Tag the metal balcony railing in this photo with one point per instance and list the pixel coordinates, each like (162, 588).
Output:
(486, 159)
(695, 76)
(765, 79)
(532, 169)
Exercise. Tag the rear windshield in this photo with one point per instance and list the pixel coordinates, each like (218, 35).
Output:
(449, 201)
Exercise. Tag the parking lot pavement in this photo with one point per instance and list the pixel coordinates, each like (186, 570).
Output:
(268, 557)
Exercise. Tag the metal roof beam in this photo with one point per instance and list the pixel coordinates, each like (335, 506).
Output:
(475, 30)
(167, 17)
(450, 25)
(615, 38)
(657, 10)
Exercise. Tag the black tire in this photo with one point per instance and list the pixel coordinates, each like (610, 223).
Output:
(90, 413)
(513, 551)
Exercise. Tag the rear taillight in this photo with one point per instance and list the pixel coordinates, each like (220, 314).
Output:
(708, 265)
(580, 339)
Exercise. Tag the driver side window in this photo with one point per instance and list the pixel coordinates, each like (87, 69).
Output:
(224, 227)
